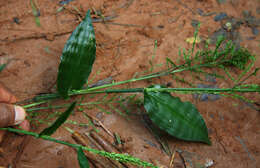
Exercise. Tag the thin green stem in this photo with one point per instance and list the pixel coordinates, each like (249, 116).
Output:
(206, 90)
(140, 90)
(93, 90)
(33, 104)
(195, 38)
(90, 90)
(63, 106)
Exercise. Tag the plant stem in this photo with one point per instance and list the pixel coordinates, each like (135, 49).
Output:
(150, 76)
(34, 104)
(207, 90)
(28, 109)
(140, 90)
(114, 156)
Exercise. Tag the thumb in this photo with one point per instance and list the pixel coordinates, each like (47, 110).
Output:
(11, 115)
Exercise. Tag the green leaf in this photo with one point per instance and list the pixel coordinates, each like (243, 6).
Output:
(77, 58)
(83, 161)
(63, 117)
(180, 119)
(2, 67)
(168, 60)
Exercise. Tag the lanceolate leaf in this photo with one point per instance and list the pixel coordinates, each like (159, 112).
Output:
(83, 161)
(63, 117)
(77, 58)
(180, 119)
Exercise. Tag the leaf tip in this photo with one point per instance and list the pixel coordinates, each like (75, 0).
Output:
(207, 141)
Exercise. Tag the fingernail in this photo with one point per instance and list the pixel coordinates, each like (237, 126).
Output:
(20, 115)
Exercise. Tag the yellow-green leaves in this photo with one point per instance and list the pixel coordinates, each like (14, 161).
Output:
(77, 58)
(180, 119)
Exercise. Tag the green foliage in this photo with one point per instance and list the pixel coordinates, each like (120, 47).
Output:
(77, 58)
(50, 130)
(180, 119)
(226, 54)
(83, 161)
(240, 58)
(2, 67)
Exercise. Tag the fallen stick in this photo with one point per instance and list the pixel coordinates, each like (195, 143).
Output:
(102, 144)
(95, 158)
(101, 140)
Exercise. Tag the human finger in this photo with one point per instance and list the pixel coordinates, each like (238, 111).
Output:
(25, 125)
(11, 115)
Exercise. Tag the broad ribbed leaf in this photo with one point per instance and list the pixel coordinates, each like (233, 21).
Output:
(180, 119)
(77, 58)
(83, 161)
(63, 117)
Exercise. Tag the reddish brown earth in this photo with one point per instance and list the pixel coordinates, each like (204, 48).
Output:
(123, 50)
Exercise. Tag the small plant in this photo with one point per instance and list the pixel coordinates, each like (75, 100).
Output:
(180, 119)
(228, 56)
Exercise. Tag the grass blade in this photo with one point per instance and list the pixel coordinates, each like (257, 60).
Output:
(83, 161)
(50, 130)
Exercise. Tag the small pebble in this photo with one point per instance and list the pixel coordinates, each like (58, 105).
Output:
(214, 97)
(146, 146)
(255, 31)
(160, 26)
(200, 12)
(195, 96)
(211, 79)
(204, 97)
(221, 32)
(209, 163)
(211, 116)
(220, 17)
(150, 143)
(203, 86)
(65, 2)
(100, 115)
